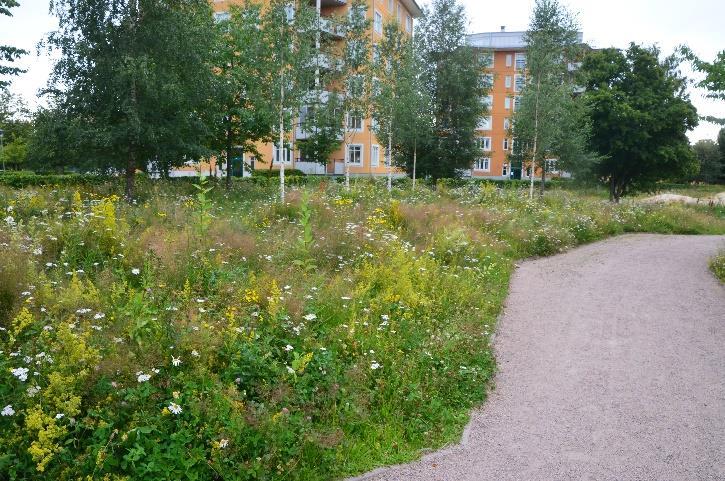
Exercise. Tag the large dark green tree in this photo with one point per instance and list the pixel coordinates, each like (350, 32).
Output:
(455, 84)
(640, 115)
(15, 122)
(134, 76)
(8, 53)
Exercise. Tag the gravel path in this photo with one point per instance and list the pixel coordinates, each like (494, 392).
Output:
(611, 367)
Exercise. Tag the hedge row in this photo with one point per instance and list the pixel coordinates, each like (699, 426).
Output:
(24, 179)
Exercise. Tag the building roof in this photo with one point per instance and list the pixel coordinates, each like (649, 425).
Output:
(498, 40)
(413, 8)
(502, 40)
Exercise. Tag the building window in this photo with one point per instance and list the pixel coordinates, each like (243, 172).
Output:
(482, 164)
(374, 155)
(355, 122)
(286, 154)
(506, 124)
(551, 166)
(387, 157)
(390, 6)
(485, 123)
(520, 61)
(489, 59)
(505, 144)
(517, 103)
(221, 16)
(376, 54)
(354, 154)
(488, 80)
(378, 23)
(508, 81)
(507, 103)
(509, 60)
(488, 101)
(484, 143)
(505, 170)
(408, 23)
(519, 82)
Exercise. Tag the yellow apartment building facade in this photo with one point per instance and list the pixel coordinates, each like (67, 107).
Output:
(365, 153)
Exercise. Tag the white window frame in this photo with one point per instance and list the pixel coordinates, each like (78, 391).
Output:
(506, 124)
(506, 143)
(408, 23)
(362, 153)
(517, 98)
(375, 155)
(550, 165)
(509, 60)
(486, 123)
(519, 79)
(485, 143)
(507, 103)
(505, 170)
(355, 129)
(378, 26)
(286, 154)
(520, 61)
(482, 164)
(390, 6)
(489, 101)
(491, 60)
(508, 82)
(386, 157)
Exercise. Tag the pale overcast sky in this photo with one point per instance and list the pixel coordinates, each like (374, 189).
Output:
(668, 23)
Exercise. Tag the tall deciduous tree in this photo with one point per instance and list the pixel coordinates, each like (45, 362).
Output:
(401, 104)
(713, 80)
(548, 124)
(455, 84)
(135, 75)
(640, 114)
(8, 53)
(290, 32)
(354, 71)
(242, 116)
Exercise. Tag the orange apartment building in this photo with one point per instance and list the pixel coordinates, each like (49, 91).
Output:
(506, 74)
(365, 153)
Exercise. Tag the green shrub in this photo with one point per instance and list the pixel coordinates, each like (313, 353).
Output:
(717, 266)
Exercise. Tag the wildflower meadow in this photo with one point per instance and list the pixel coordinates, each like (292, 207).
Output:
(206, 334)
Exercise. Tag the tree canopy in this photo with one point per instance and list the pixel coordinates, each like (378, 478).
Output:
(134, 75)
(640, 115)
(8, 53)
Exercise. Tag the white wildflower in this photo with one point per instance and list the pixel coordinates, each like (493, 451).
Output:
(175, 408)
(375, 365)
(176, 361)
(21, 373)
(135, 271)
(143, 377)
(310, 317)
(288, 348)
(8, 410)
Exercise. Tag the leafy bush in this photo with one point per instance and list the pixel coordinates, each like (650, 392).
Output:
(24, 179)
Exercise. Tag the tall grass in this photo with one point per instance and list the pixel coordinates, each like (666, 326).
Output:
(225, 335)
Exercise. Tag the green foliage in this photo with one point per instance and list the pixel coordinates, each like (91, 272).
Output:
(551, 122)
(640, 115)
(161, 357)
(717, 266)
(453, 80)
(134, 76)
(20, 180)
(8, 53)
(709, 158)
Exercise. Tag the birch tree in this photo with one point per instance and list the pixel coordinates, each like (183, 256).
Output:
(289, 29)
(547, 97)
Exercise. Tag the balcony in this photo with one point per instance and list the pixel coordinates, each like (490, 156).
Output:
(328, 27)
(325, 62)
(329, 3)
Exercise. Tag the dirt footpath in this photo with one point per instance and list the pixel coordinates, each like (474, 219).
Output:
(611, 367)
